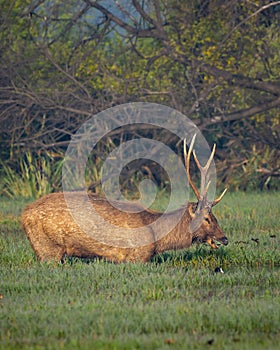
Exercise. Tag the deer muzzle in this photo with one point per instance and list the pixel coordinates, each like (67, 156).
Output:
(224, 240)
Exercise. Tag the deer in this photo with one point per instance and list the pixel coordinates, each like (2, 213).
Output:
(54, 234)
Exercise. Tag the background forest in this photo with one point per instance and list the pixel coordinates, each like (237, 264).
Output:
(62, 62)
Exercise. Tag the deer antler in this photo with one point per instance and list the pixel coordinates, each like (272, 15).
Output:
(204, 187)
(187, 157)
(216, 201)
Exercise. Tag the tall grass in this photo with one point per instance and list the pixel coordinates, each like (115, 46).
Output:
(33, 176)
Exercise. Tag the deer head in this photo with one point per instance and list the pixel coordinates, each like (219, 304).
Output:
(203, 226)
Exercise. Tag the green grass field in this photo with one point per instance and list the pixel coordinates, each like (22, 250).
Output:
(174, 302)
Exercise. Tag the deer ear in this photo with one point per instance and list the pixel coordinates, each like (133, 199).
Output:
(195, 211)
(192, 210)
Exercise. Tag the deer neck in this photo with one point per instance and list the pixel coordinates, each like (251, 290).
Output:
(179, 237)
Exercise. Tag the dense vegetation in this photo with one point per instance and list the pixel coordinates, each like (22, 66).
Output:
(215, 61)
(176, 301)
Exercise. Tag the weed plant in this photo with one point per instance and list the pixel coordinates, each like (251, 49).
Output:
(33, 177)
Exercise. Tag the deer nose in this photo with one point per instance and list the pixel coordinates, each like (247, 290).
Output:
(224, 240)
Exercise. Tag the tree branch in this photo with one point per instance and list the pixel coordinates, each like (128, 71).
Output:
(242, 81)
(141, 33)
(241, 114)
(265, 7)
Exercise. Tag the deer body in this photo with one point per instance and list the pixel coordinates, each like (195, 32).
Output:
(53, 232)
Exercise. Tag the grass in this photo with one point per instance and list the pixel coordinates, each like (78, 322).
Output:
(32, 176)
(174, 302)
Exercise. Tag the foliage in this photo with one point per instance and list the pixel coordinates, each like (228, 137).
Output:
(34, 176)
(257, 167)
(215, 61)
(174, 301)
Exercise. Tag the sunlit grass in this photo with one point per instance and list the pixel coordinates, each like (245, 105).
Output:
(34, 176)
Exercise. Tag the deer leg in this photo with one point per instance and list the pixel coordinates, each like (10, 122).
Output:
(45, 249)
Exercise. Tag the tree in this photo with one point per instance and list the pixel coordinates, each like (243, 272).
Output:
(215, 61)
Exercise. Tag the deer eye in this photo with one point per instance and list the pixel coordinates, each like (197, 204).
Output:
(207, 220)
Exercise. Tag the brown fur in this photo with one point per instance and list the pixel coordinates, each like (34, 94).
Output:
(53, 233)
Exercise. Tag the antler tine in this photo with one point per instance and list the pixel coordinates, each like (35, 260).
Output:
(205, 168)
(204, 171)
(187, 157)
(210, 158)
(216, 201)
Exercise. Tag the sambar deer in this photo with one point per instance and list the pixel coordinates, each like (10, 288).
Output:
(54, 233)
